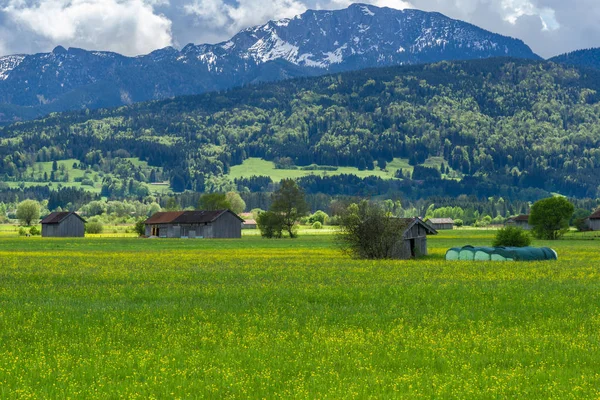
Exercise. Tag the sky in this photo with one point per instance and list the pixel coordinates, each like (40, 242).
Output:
(133, 27)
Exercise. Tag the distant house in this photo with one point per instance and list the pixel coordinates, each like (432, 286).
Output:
(593, 221)
(63, 224)
(222, 224)
(249, 224)
(441, 224)
(414, 239)
(521, 221)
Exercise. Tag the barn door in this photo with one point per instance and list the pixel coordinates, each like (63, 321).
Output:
(413, 252)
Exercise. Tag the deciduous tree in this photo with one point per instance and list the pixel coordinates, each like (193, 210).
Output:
(550, 217)
(28, 211)
(290, 203)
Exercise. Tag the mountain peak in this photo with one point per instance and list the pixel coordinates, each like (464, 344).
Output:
(59, 50)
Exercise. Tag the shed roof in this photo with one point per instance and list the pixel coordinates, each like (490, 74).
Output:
(520, 218)
(187, 217)
(595, 215)
(58, 217)
(407, 223)
(440, 220)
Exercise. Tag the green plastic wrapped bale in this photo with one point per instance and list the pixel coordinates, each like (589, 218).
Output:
(470, 253)
(453, 255)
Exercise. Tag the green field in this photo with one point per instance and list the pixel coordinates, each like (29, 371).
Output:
(254, 318)
(260, 167)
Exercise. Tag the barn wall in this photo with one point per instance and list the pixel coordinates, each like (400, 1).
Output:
(72, 226)
(421, 246)
(49, 230)
(443, 227)
(227, 226)
(594, 224)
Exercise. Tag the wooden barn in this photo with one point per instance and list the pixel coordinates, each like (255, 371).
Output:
(593, 221)
(441, 224)
(222, 224)
(521, 221)
(414, 242)
(249, 224)
(63, 224)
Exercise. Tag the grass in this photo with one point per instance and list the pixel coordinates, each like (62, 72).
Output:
(260, 167)
(134, 318)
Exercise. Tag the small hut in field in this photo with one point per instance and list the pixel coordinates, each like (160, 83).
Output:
(593, 221)
(221, 224)
(441, 224)
(520, 221)
(63, 224)
(414, 238)
(249, 224)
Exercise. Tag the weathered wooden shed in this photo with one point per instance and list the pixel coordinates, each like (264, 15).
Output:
(414, 243)
(249, 224)
(441, 224)
(593, 221)
(521, 221)
(63, 224)
(221, 224)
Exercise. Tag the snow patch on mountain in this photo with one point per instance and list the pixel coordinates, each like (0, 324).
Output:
(8, 63)
(272, 48)
(367, 11)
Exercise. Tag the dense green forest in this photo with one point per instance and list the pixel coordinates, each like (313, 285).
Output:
(516, 127)
(589, 58)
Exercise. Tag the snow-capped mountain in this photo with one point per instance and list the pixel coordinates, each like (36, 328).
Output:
(316, 42)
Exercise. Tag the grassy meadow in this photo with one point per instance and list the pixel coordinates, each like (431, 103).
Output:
(259, 167)
(254, 318)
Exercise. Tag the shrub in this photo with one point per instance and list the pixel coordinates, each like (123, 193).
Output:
(512, 236)
(22, 231)
(317, 225)
(94, 227)
(458, 223)
(319, 216)
(34, 231)
(270, 224)
(369, 232)
(140, 227)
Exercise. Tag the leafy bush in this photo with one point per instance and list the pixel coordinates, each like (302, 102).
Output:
(34, 231)
(140, 227)
(94, 227)
(319, 216)
(22, 231)
(458, 223)
(317, 225)
(512, 236)
(270, 224)
(369, 232)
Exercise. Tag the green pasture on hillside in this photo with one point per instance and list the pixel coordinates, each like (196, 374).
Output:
(255, 318)
(259, 167)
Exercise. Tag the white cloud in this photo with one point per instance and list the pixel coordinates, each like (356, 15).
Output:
(242, 14)
(129, 27)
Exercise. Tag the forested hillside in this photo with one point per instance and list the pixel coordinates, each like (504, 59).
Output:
(498, 123)
(589, 58)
